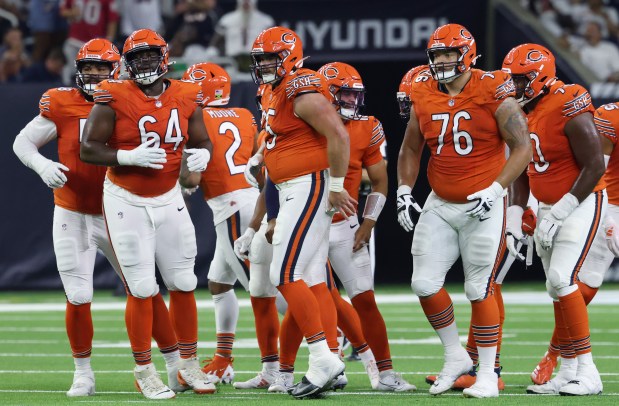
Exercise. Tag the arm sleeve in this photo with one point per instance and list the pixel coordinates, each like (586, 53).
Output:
(272, 199)
(33, 136)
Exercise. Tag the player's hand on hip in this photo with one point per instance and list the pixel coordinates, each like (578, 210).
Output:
(252, 169)
(485, 199)
(549, 226)
(611, 234)
(243, 243)
(143, 156)
(342, 202)
(53, 175)
(514, 237)
(406, 205)
(363, 234)
(198, 159)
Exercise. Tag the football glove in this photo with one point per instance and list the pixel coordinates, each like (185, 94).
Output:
(143, 156)
(513, 231)
(406, 207)
(551, 223)
(198, 159)
(251, 169)
(612, 235)
(53, 175)
(485, 200)
(243, 243)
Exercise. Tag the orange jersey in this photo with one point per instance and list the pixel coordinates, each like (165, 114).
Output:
(553, 170)
(68, 109)
(366, 138)
(293, 147)
(139, 118)
(232, 132)
(467, 150)
(607, 123)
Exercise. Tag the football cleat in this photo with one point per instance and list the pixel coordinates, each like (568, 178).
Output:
(83, 384)
(485, 386)
(453, 368)
(220, 367)
(567, 373)
(261, 381)
(587, 382)
(372, 370)
(323, 369)
(149, 383)
(190, 374)
(544, 370)
(173, 382)
(392, 381)
(468, 380)
(284, 381)
(305, 389)
(339, 382)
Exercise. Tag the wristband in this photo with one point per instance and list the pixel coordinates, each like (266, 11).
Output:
(374, 205)
(336, 185)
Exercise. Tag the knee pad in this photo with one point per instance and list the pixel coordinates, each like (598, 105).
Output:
(259, 282)
(188, 247)
(424, 287)
(144, 288)
(555, 279)
(185, 281)
(260, 251)
(127, 248)
(421, 240)
(79, 296)
(551, 291)
(66, 254)
(479, 251)
(473, 291)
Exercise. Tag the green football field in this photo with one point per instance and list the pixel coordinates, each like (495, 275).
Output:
(36, 367)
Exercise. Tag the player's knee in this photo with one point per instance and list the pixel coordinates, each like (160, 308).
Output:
(185, 281)
(425, 287)
(556, 279)
(66, 254)
(144, 288)
(358, 286)
(592, 279)
(480, 251)
(259, 252)
(217, 288)
(551, 291)
(473, 291)
(421, 240)
(188, 246)
(80, 296)
(127, 249)
(261, 287)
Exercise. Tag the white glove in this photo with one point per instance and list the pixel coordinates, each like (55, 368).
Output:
(143, 156)
(188, 191)
(485, 200)
(198, 159)
(513, 231)
(52, 174)
(406, 206)
(612, 235)
(242, 244)
(254, 164)
(551, 223)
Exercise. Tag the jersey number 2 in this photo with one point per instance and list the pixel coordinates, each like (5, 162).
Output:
(225, 127)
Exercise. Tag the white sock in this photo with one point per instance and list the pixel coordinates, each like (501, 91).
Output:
(140, 368)
(319, 349)
(568, 366)
(585, 359)
(270, 366)
(567, 290)
(450, 339)
(487, 357)
(226, 312)
(171, 359)
(367, 356)
(82, 364)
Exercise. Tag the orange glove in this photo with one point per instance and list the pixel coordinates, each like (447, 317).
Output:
(529, 221)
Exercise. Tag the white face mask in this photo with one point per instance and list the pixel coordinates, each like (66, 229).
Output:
(89, 88)
(269, 77)
(147, 78)
(446, 76)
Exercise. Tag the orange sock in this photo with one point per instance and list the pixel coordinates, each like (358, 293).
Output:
(302, 306)
(184, 316)
(575, 315)
(290, 338)
(139, 322)
(498, 297)
(78, 321)
(439, 309)
(267, 327)
(163, 331)
(328, 314)
(373, 327)
(471, 346)
(485, 322)
(561, 334)
(348, 321)
(588, 293)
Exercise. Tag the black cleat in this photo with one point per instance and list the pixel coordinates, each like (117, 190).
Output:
(304, 389)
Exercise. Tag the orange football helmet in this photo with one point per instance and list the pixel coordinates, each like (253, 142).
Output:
(346, 88)
(281, 45)
(450, 37)
(533, 70)
(100, 51)
(214, 80)
(404, 91)
(145, 69)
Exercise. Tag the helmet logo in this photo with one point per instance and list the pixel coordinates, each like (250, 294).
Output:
(288, 38)
(331, 72)
(464, 33)
(197, 75)
(535, 56)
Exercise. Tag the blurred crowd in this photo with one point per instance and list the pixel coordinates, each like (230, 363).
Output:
(40, 38)
(587, 28)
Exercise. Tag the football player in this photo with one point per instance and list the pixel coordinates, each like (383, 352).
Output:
(141, 128)
(565, 176)
(403, 95)
(465, 116)
(304, 137)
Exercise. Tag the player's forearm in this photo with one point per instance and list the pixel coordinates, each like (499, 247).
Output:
(98, 153)
(186, 178)
(29, 154)
(408, 167)
(519, 158)
(33, 136)
(338, 152)
(259, 211)
(519, 191)
(587, 180)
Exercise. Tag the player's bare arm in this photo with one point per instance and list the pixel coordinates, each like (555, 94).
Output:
(515, 132)
(587, 149)
(377, 174)
(188, 179)
(315, 110)
(198, 137)
(607, 146)
(410, 153)
(519, 191)
(97, 131)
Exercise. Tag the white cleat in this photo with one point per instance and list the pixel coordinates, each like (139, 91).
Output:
(262, 381)
(566, 373)
(340, 382)
(282, 383)
(173, 382)
(83, 384)
(485, 386)
(323, 369)
(453, 368)
(587, 382)
(149, 383)
(372, 370)
(190, 374)
(392, 381)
